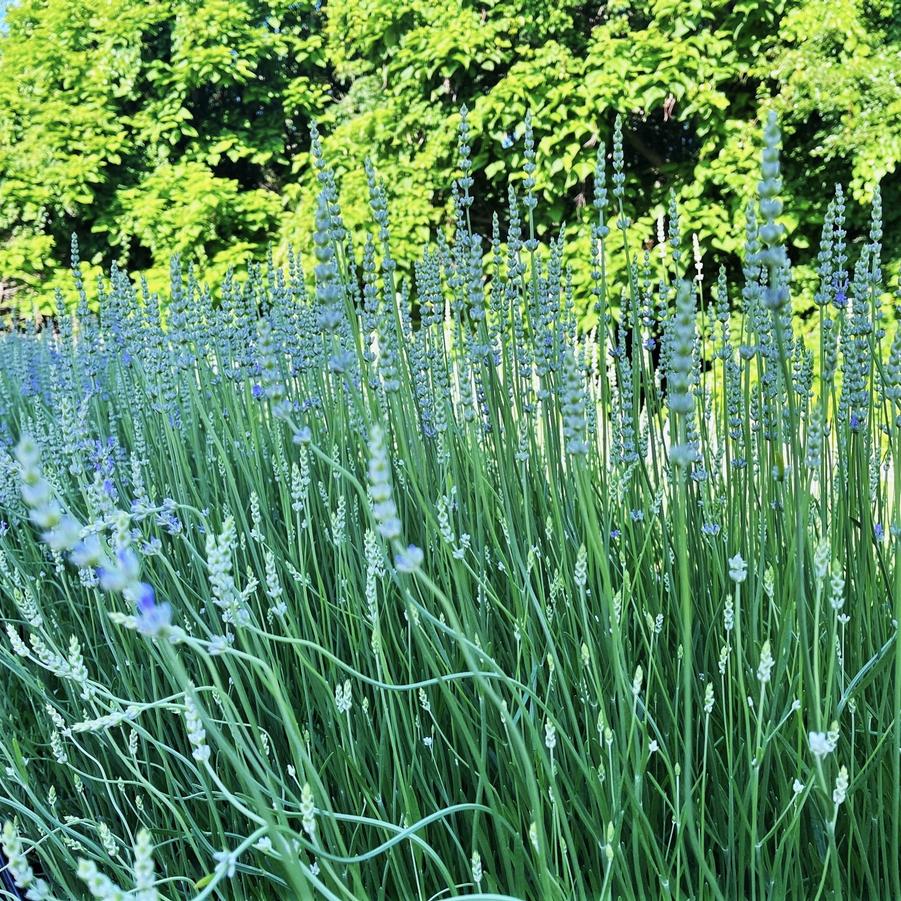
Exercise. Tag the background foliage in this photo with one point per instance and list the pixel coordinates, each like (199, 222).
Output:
(154, 127)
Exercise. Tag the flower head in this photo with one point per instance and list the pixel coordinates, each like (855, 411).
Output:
(738, 569)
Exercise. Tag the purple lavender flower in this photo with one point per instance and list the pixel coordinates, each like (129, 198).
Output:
(167, 519)
(409, 559)
(121, 573)
(711, 528)
(878, 531)
(257, 391)
(87, 552)
(145, 597)
(154, 620)
(151, 547)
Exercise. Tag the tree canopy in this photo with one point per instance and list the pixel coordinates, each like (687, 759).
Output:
(159, 127)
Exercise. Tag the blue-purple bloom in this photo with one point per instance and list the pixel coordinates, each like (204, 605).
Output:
(101, 455)
(151, 546)
(167, 519)
(145, 597)
(152, 618)
(88, 552)
(122, 573)
(409, 559)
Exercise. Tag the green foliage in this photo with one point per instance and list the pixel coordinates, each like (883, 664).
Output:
(174, 126)
(150, 128)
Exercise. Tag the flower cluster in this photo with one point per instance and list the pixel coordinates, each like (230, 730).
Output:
(118, 569)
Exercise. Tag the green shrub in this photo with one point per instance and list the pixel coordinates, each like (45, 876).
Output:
(154, 128)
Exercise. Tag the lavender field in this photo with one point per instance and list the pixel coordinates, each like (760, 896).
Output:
(331, 582)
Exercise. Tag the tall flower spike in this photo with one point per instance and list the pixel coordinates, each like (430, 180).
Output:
(464, 149)
(765, 669)
(268, 353)
(144, 874)
(771, 232)
(600, 183)
(573, 406)
(619, 177)
(529, 201)
(308, 810)
(219, 564)
(406, 559)
(18, 867)
(328, 289)
(841, 786)
(383, 507)
(679, 373)
(99, 886)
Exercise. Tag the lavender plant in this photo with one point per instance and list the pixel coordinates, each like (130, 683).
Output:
(334, 585)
